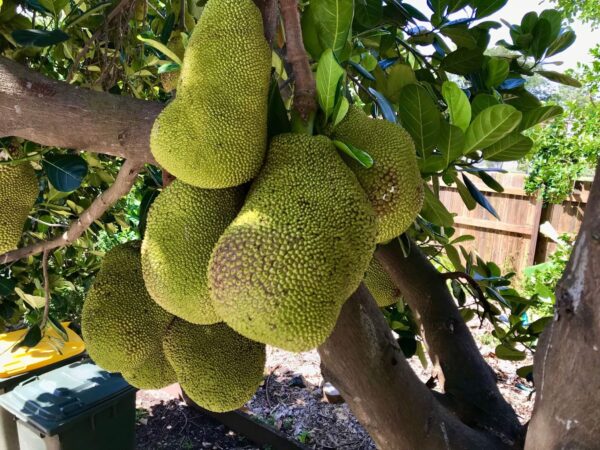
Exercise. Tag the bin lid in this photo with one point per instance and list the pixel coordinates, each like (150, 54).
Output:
(51, 349)
(51, 401)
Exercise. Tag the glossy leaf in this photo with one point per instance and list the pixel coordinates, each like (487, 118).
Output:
(420, 117)
(463, 61)
(434, 211)
(39, 38)
(496, 71)
(334, 20)
(539, 115)
(491, 125)
(479, 197)
(481, 102)
(368, 12)
(148, 38)
(329, 76)
(509, 353)
(65, 172)
(451, 142)
(465, 194)
(486, 8)
(384, 105)
(561, 43)
(361, 70)
(512, 147)
(340, 111)
(459, 108)
(362, 157)
(558, 77)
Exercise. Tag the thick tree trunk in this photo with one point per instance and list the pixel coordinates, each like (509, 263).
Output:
(567, 362)
(468, 382)
(363, 360)
(58, 114)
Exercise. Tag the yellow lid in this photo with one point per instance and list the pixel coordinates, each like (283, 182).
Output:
(45, 353)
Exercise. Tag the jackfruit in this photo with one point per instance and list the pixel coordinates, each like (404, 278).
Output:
(154, 373)
(213, 135)
(298, 249)
(218, 369)
(381, 286)
(122, 326)
(18, 192)
(393, 184)
(183, 225)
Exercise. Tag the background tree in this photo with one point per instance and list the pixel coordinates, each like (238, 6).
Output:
(81, 84)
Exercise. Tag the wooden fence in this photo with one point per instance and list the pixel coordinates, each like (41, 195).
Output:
(514, 242)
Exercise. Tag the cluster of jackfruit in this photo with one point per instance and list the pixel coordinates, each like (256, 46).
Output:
(126, 331)
(18, 192)
(224, 267)
(213, 135)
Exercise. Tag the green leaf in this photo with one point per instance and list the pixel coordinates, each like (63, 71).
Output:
(481, 102)
(340, 111)
(539, 325)
(464, 193)
(451, 142)
(65, 172)
(479, 197)
(490, 181)
(433, 164)
(39, 38)
(368, 13)
(554, 19)
(31, 338)
(60, 330)
(559, 78)
(461, 36)
(420, 117)
(496, 71)
(491, 125)
(384, 105)
(7, 285)
(310, 33)
(169, 67)
(362, 157)
(434, 211)
(459, 107)
(89, 13)
(398, 76)
(145, 38)
(334, 20)
(329, 76)
(542, 38)
(487, 7)
(35, 301)
(463, 61)
(503, 351)
(512, 147)
(525, 371)
(561, 43)
(538, 115)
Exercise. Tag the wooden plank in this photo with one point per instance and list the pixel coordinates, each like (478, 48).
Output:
(484, 188)
(524, 230)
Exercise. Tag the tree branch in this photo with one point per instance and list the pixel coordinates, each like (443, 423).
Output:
(567, 361)
(57, 114)
(363, 360)
(270, 14)
(304, 82)
(122, 185)
(466, 378)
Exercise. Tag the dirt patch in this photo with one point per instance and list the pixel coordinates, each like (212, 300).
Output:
(291, 400)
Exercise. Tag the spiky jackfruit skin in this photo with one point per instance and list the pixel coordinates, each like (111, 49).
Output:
(380, 285)
(122, 326)
(298, 249)
(183, 225)
(213, 135)
(218, 368)
(393, 183)
(18, 192)
(154, 373)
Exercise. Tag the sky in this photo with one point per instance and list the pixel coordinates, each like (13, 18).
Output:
(516, 9)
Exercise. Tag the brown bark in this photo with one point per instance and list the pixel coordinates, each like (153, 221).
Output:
(270, 14)
(58, 114)
(305, 88)
(567, 361)
(363, 360)
(468, 382)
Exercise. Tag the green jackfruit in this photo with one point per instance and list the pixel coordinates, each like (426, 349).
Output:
(18, 192)
(122, 326)
(381, 286)
(154, 373)
(394, 183)
(298, 249)
(183, 226)
(213, 135)
(218, 369)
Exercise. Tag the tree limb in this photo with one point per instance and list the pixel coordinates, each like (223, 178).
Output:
(270, 15)
(466, 378)
(58, 114)
(363, 360)
(567, 361)
(304, 82)
(122, 185)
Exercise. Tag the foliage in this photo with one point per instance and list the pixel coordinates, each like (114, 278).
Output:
(587, 11)
(429, 71)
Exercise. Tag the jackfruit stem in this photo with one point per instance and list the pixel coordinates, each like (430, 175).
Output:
(301, 126)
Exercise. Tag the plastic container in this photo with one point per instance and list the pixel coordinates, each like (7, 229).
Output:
(75, 407)
(15, 367)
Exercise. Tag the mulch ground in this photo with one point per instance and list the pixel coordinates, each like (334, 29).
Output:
(291, 400)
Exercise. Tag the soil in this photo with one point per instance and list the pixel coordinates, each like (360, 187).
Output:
(291, 399)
